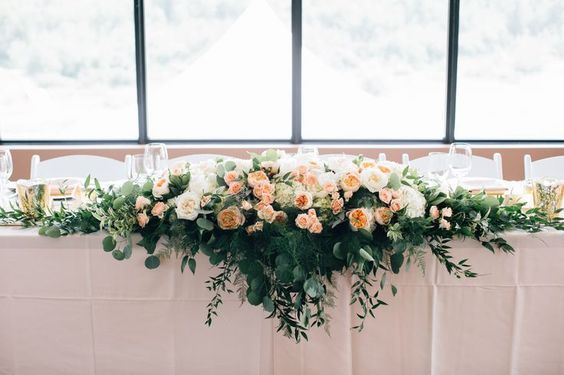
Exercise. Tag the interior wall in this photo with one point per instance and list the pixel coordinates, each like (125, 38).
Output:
(512, 155)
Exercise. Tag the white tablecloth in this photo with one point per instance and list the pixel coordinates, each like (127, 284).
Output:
(66, 307)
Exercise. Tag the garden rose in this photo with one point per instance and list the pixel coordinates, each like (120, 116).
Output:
(267, 213)
(337, 205)
(373, 179)
(280, 217)
(270, 166)
(187, 205)
(383, 215)
(230, 218)
(256, 177)
(235, 188)
(395, 205)
(142, 219)
(303, 221)
(245, 205)
(141, 202)
(160, 187)
(159, 209)
(350, 182)
(230, 176)
(360, 218)
(316, 227)
(263, 188)
(444, 224)
(303, 200)
(446, 212)
(205, 200)
(434, 212)
(385, 195)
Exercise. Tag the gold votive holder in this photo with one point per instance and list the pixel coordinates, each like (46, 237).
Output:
(547, 195)
(33, 195)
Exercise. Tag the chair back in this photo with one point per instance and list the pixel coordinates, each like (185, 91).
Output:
(481, 166)
(102, 168)
(549, 167)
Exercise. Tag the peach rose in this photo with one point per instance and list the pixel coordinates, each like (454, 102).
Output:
(434, 212)
(280, 217)
(205, 200)
(385, 195)
(235, 188)
(303, 221)
(263, 188)
(446, 212)
(230, 218)
(337, 205)
(142, 219)
(245, 205)
(329, 187)
(383, 215)
(444, 224)
(267, 198)
(311, 212)
(395, 205)
(316, 227)
(267, 213)
(159, 209)
(255, 178)
(141, 202)
(350, 182)
(256, 227)
(230, 176)
(311, 179)
(301, 169)
(303, 200)
(360, 218)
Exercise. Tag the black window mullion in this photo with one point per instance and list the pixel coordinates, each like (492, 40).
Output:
(139, 16)
(452, 60)
(296, 71)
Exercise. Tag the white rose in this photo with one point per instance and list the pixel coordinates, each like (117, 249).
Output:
(388, 167)
(286, 165)
(160, 187)
(187, 205)
(243, 165)
(202, 184)
(341, 164)
(373, 179)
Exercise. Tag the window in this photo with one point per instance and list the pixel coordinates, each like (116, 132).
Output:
(218, 69)
(67, 70)
(374, 69)
(511, 70)
(281, 70)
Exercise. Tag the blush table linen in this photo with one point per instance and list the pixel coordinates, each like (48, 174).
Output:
(67, 307)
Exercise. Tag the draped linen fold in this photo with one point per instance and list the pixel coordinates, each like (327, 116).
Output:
(66, 307)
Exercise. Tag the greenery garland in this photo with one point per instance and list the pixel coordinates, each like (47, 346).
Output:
(279, 227)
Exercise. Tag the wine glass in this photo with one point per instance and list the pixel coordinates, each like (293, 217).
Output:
(6, 168)
(438, 166)
(460, 160)
(136, 166)
(155, 159)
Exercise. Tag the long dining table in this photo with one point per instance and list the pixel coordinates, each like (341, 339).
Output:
(67, 307)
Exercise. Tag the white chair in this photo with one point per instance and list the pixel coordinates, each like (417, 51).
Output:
(102, 168)
(481, 166)
(549, 167)
(196, 158)
(382, 156)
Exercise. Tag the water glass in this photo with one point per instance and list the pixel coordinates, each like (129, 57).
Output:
(155, 159)
(460, 159)
(6, 168)
(33, 194)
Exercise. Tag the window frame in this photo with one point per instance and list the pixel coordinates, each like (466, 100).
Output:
(296, 92)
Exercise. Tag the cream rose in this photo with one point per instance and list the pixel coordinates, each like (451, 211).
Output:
(385, 195)
(350, 181)
(303, 221)
(316, 227)
(444, 224)
(234, 188)
(373, 179)
(446, 212)
(337, 205)
(230, 176)
(160, 187)
(230, 218)
(187, 205)
(434, 212)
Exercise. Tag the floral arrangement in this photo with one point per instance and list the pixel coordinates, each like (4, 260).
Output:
(280, 227)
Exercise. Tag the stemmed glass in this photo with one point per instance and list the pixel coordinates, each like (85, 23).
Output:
(136, 166)
(6, 168)
(155, 159)
(438, 166)
(460, 160)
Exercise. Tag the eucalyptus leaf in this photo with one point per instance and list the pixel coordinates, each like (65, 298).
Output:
(204, 224)
(109, 243)
(152, 262)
